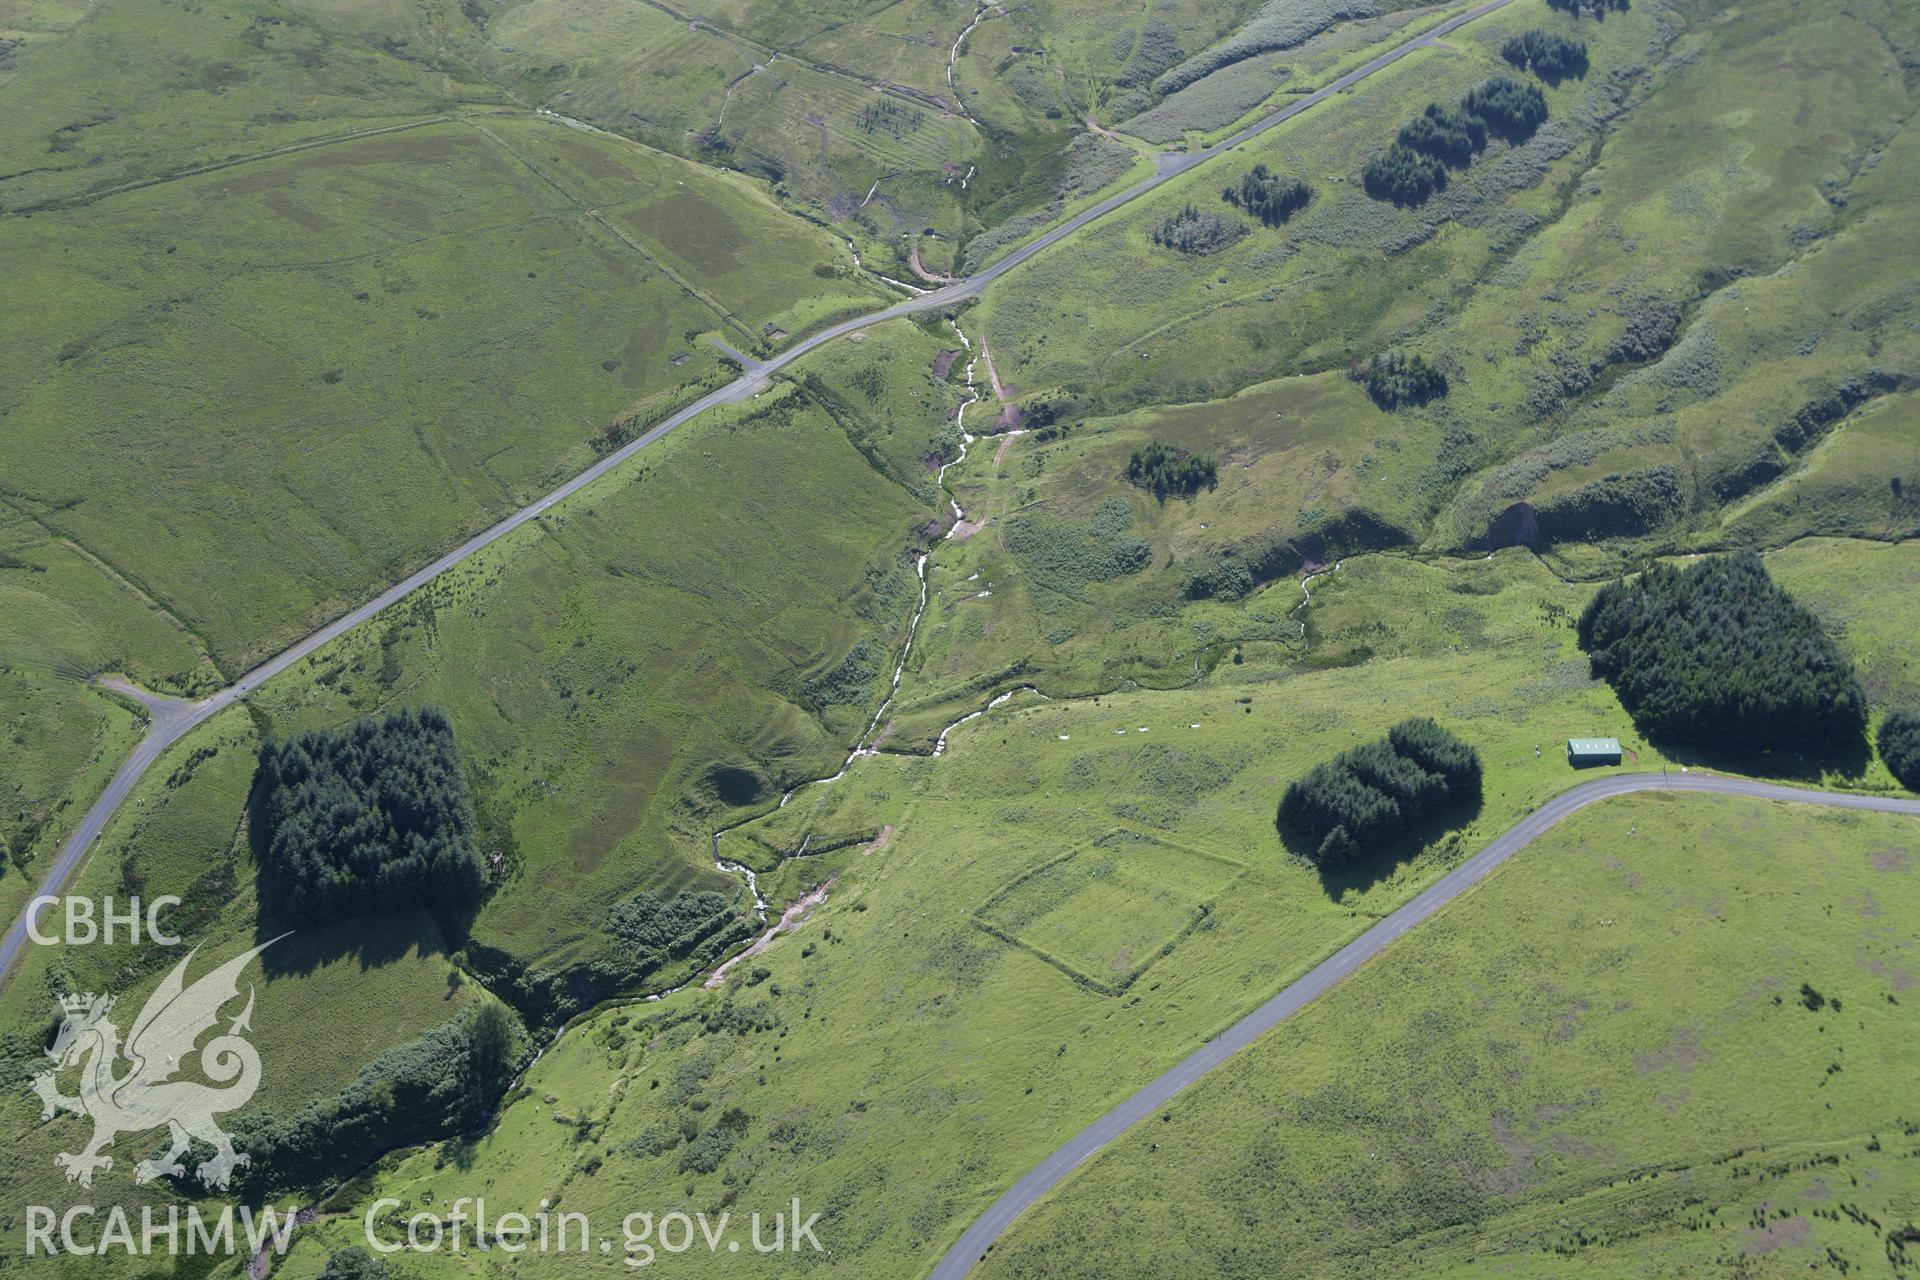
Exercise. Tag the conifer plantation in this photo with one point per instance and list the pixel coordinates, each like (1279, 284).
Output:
(367, 818)
(1379, 791)
(1900, 746)
(1716, 655)
(1162, 469)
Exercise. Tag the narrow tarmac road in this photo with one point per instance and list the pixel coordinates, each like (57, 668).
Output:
(1051, 1172)
(180, 718)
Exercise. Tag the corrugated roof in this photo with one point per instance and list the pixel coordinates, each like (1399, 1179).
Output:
(1594, 746)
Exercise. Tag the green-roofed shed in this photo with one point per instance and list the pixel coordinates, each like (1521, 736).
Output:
(1582, 752)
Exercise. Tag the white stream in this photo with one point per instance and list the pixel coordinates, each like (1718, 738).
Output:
(580, 126)
(940, 743)
(953, 56)
(898, 284)
(864, 745)
(1306, 593)
(727, 101)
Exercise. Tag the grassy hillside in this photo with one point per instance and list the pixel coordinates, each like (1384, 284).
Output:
(1762, 370)
(1667, 1040)
(100, 95)
(623, 713)
(64, 616)
(635, 693)
(973, 895)
(1657, 320)
(1678, 319)
(1237, 91)
(1839, 579)
(259, 393)
(632, 697)
(328, 998)
(1158, 825)
(1167, 326)
(1003, 613)
(886, 121)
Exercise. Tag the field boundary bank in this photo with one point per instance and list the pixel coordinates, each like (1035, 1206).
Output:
(194, 171)
(163, 735)
(1221, 1046)
(979, 1237)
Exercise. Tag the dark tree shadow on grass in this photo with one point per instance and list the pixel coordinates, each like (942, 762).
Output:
(1379, 860)
(1576, 69)
(374, 941)
(1847, 761)
(462, 1152)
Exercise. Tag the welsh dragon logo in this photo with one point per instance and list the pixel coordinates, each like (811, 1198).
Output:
(145, 1096)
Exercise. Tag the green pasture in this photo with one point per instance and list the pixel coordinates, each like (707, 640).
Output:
(1011, 827)
(1816, 303)
(614, 697)
(1305, 465)
(614, 726)
(1863, 591)
(261, 393)
(848, 112)
(64, 617)
(1668, 1039)
(233, 403)
(1242, 91)
(1026, 1051)
(1631, 348)
(327, 1000)
(104, 94)
(1327, 287)
(1103, 916)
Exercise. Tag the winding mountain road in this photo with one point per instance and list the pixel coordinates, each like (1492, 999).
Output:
(173, 719)
(1051, 1172)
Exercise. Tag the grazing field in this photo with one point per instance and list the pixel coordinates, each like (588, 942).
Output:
(1256, 478)
(328, 998)
(1668, 1039)
(885, 121)
(91, 104)
(1334, 284)
(757, 98)
(1102, 916)
(259, 393)
(1001, 613)
(608, 715)
(1007, 829)
(894, 390)
(1610, 389)
(1864, 593)
(979, 905)
(613, 700)
(1299, 487)
(64, 616)
(610, 709)
(819, 1045)
(619, 65)
(894, 970)
(1755, 401)
(879, 120)
(1858, 481)
(1211, 104)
